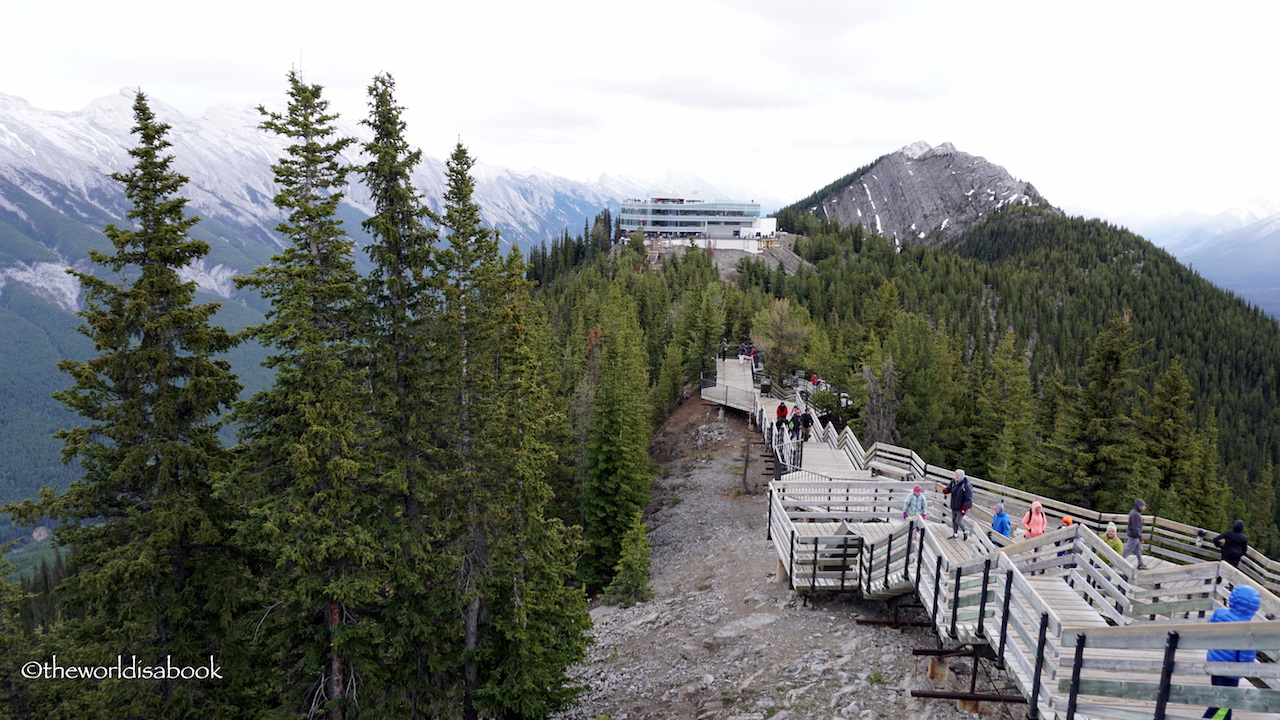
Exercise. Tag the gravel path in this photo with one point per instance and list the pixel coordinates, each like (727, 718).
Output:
(723, 638)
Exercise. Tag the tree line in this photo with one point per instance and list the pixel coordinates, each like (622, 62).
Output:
(383, 538)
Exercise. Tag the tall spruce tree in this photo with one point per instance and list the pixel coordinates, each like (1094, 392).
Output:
(401, 361)
(618, 467)
(315, 511)
(1010, 458)
(521, 625)
(150, 538)
(1094, 457)
(1187, 487)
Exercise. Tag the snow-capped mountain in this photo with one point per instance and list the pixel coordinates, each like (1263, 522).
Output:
(56, 195)
(54, 182)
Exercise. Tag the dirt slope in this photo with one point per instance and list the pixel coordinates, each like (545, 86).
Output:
(722, 638)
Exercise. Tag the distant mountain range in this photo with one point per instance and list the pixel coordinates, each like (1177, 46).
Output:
(55, 193)
(56, 196)
(1238, 250)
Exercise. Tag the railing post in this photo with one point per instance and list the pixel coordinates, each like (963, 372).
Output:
(955, 601)
(844, 559)
(982, 604)
(1075, 676)
(919, 556)
(768, 529)
(937, 586)
(1034, 700)
(1166, 674)
(791, 581)
(871, 563)
(888, 559)
(1004, 617)
(813, 572)
(906, 557)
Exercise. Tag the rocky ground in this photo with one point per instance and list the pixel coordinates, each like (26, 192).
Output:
(723, 638)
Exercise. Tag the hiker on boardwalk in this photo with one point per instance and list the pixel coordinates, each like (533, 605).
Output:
(916, 506)
(1000, 520)
(1034, 522)
(1234, 544)
(806, 423)
(742, 353)
(1113, 540)
(1133, 534)
(1241, 606)
(961, 492)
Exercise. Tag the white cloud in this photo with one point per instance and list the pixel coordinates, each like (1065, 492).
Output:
(1119, 107)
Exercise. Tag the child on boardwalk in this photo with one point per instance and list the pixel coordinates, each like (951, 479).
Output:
(916, 505)
(1000, 520)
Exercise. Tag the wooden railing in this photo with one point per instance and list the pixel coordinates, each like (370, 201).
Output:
(992, 598)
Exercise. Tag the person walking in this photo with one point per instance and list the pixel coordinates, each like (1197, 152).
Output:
(916, 505)
(806, 422)
(1000, 520)
(961, 492)
(1234, 544)
(1034, 522)
(1241, 606)
(1133, 534)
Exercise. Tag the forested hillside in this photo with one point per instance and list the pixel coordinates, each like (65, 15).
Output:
(1054, 298)
(449, 452)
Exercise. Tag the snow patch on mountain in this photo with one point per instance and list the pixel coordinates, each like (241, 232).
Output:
(48, 281)
(217, 279)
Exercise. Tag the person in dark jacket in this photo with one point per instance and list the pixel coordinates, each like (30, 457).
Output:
(1241, 606)
(961, 492)
(1234, 544)
(1133, 534)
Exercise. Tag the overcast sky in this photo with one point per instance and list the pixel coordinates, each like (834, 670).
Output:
(1114, 108)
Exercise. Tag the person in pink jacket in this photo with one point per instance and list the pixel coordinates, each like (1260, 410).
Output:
(1034, 521)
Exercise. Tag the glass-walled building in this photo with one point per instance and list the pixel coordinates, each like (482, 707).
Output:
(677, 217)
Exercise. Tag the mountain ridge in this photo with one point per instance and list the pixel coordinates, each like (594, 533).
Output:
(920, 193)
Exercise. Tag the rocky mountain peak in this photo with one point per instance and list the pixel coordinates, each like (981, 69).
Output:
(924, 194)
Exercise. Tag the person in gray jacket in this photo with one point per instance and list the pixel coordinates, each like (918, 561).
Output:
(1133, 534)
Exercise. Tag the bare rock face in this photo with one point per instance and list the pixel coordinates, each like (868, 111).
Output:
(924, 194)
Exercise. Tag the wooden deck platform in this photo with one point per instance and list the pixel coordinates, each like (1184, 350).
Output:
(837, 528)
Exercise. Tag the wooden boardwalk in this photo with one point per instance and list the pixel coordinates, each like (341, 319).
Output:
(1080, 631)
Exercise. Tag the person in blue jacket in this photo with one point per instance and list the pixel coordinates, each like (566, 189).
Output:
(1241, 606)
(1000, 520)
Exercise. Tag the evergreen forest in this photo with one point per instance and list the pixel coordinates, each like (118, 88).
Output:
(450, 458)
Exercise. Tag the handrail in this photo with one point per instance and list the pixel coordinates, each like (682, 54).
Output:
(989, 597)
